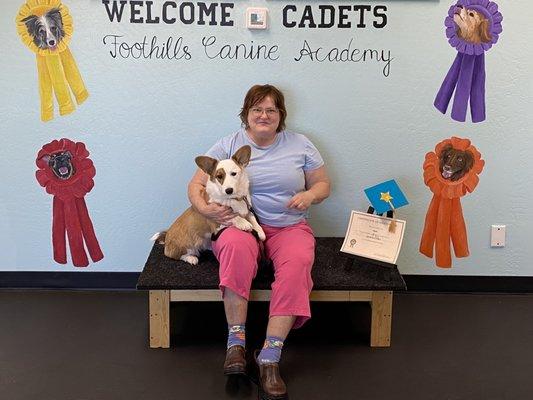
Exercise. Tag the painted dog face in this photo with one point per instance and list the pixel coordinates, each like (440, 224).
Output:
(454, 164)
(47, 30)
(61, 164)
(472, 26)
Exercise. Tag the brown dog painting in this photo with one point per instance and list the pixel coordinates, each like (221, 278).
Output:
(454, 163)
(472, 25)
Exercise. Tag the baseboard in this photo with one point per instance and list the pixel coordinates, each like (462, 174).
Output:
(128, 281)
(466, 284)
(69, 280)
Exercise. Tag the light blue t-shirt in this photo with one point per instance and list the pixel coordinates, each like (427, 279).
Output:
(276, 172)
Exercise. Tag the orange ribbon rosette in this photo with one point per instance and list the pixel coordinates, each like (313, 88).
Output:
(444, 218)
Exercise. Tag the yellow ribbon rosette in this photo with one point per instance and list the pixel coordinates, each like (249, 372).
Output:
(57, 70)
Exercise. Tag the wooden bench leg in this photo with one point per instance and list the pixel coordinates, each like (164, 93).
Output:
(159, 318)
(380, 330)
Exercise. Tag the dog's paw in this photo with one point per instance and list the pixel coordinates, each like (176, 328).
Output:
(193, 260)
(261, 234)
(243, 225)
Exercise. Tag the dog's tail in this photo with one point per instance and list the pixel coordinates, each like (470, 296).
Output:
(159, 237)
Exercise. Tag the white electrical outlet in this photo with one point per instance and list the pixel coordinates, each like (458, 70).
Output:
(497, 236)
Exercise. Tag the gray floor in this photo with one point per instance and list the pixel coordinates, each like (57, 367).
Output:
(82, 345)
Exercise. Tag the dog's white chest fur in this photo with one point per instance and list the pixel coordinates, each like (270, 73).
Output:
(239, 206)
(229, 186)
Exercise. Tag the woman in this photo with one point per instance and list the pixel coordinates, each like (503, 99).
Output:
(287, 175)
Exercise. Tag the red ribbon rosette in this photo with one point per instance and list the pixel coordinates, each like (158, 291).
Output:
(444, 218)
(66, 172)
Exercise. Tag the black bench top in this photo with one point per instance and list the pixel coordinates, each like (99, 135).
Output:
(332, 270)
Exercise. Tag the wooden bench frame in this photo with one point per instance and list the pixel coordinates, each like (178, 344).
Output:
(159, 309)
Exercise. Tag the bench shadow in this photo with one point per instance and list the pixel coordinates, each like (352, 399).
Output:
(194, 323)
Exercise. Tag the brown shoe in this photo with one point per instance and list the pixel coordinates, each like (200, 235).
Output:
(235, 363)
(270, 385)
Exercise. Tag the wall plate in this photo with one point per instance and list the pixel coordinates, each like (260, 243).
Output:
(497, 236)
(256, 18)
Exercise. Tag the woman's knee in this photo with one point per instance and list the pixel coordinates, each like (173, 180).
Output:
(300, 262)
(237, 253)
(235, 240)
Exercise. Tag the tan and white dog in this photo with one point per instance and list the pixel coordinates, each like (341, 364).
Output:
(227, 185)
(472, 25)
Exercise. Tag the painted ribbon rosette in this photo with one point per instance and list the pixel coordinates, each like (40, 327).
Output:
(451, 171)
(67, 173)
(472, 27)
(45, 26)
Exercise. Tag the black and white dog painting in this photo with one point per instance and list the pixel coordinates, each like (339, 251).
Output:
(46, 30)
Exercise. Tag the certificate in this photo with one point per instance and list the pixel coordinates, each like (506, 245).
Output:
(368, 236)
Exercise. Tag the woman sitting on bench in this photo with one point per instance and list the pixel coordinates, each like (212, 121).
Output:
(287, 175)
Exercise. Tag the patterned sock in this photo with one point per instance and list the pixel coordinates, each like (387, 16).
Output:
(236, 335)
(271, 352)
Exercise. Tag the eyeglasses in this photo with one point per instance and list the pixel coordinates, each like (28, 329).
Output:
(259, 111)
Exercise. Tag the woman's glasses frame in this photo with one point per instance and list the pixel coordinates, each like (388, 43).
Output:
(270, 112)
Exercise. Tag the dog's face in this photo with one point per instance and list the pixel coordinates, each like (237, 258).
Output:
(61, 164)
(47, 30)
(454, 164)
(472, 26)
(228, 175)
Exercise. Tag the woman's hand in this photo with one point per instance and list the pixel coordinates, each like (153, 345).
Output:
(220, 214)
(301, 201)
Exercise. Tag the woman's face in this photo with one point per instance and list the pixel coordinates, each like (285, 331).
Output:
(263, 117)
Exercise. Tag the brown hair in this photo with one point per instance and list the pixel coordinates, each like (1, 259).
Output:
(257, 94)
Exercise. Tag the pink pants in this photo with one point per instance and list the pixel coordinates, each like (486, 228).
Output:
(292, 251)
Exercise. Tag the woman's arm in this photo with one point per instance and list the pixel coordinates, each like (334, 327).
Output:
(317, 182)
(318, 188)
(196, 192)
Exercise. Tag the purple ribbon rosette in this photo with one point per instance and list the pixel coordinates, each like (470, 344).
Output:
(472, 27)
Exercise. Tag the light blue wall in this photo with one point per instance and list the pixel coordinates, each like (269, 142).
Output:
(145, 121)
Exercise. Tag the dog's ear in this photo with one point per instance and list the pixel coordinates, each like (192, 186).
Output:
(55, 15)
(46, 158)
(459, 32)
(469, 161)
(31, 24)
(242, 156)
(445, 151)
(206, 164)
(484, 31)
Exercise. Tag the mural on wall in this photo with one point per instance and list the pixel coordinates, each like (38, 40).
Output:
(450, 172)
(472, 27)
(67, 173)
(45, 26)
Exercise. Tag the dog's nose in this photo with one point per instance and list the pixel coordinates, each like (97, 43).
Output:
(229, 190)
(51, 42)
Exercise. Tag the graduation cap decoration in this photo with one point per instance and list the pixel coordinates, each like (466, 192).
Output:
(385, 198)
